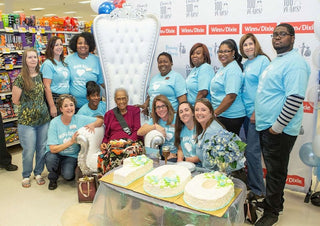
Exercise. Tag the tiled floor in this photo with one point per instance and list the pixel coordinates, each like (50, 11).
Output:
(38, 206)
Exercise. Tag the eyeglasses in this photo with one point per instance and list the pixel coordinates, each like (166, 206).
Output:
(161, 107)
(281, 34)
(224, 51)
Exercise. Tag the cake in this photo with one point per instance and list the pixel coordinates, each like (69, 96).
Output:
(166, 181)
(209, 191)
(133, 168)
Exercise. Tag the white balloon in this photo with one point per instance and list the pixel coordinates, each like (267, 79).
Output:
(95, 4)
(316, 145)
(316, 58)
(317, 28)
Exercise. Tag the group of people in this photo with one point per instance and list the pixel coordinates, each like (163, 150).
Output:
(262, 96)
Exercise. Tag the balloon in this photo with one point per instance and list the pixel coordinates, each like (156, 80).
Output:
(318, 173)
(118, 3)
(307, 156)
(106, 8)
(95, 4)
(313, 96)
(316, 145)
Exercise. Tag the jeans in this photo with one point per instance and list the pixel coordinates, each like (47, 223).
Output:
(57, 164)
(276, 152)
(33, 139)
(253, 157)
(232, 124)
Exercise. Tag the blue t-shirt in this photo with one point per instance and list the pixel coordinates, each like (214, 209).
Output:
(100, 111)
(228, 80)
(59, 133)
(59, 75)
(212, 130)
(252, 70)
(187, 141)
(199, 79)
(173, 85)
(169, 134)
(82, 71)
(286, 75)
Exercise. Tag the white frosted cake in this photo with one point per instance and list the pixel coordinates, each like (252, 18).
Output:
(209, 191)
(166, 181)
(133, 168)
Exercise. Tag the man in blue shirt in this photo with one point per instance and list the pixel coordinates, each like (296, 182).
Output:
(278, 107)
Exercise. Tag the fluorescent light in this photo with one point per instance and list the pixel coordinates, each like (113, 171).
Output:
(70, 12)
(18, 11)
(37, 9)
(1, 3)
(50, 14)
(84, 2)
(78, 17)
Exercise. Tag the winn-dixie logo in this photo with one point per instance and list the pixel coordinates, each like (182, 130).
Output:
(295, 180)
(259, 28)
(308, 107)
(221, 29)
(303, 26)
(193, 30)
(170, 30)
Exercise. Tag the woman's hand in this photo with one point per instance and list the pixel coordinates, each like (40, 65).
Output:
(74, 137)
(144, 108)
(90, 127)
(53, 111)
(103, 147)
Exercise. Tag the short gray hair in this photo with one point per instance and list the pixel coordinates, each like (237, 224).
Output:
(121, 89)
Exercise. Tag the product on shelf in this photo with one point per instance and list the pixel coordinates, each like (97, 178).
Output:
(5, 85)
(6, 109)
(209, 191)
(11, 134)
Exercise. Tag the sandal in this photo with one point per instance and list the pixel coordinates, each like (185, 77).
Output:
(40, 180)
(26, 183)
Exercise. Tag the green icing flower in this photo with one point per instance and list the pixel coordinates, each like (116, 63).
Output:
(139, 160)
(222, 180)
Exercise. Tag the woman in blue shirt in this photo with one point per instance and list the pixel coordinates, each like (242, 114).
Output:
(185, 133)
(162, 119)
(198, 80)
(252, 68)
(167, 82)
(225, 88)
(84, 66)
(55, 73)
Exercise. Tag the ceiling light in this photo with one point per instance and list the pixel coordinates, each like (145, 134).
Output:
(84, 2)
(78, 17)
(50, 14)
(1, 3)
(18, 11)
(37, 9)
(70, 12)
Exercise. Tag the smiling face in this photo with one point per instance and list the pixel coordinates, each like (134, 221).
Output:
(282, 44)
(185, 113)
(164, 65)
(58, 48)
(197, 57)
(202, 114)
(32, 60)
(225, 54)
(121, 100)
(249, 48)
(67, 108)
(82, 47)
(162, 110)
(94, 100)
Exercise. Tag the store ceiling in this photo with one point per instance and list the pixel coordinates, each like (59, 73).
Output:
(58, 7)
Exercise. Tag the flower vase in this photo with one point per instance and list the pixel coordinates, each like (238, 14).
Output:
(223, 167)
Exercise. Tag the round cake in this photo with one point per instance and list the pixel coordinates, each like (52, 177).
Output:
(209, 191)
(166, 181)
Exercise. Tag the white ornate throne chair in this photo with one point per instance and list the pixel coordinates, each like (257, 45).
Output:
(126, 41)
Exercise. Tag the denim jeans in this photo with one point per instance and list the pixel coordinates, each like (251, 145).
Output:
(253, 157)
(57, 164)
(276, 152)
(33, 139)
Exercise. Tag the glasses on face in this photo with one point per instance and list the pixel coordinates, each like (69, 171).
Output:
(224, 51)
(280, 34)
(160, 107)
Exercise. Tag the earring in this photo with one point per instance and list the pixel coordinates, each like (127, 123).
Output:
(234, 57)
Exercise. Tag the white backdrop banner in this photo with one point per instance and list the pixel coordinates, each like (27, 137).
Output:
(186, 22)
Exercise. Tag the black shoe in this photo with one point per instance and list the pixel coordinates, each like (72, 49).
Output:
(267, 220)
(11, 167)
(53, 185)
(251, 196)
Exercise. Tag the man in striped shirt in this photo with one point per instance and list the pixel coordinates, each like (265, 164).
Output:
(278, 108)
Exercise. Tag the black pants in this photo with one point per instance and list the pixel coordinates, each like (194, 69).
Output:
(276, 152)
(232, 124)
(5, 157)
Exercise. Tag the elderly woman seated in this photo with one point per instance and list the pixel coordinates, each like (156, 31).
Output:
(120, 139)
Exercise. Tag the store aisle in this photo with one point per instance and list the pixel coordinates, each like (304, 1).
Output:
(37, 206)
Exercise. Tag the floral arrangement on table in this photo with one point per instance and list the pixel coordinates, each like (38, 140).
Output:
(224, 151)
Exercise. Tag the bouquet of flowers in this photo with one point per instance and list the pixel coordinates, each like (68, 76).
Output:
(224, 150)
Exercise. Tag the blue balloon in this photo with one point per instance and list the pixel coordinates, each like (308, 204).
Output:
(106, 8)
(318, 173)
(307, 155)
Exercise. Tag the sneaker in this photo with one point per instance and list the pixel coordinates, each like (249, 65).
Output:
(11, 167)
(267, 220)
(40, 180)
(52, 185)
(26, 182)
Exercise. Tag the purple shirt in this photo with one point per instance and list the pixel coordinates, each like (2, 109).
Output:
(113, 129)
